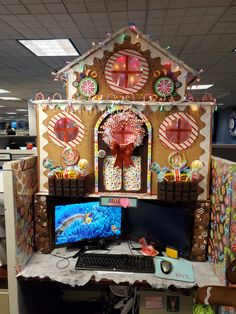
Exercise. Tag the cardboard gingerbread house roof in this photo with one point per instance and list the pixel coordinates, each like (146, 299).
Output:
(133, 32)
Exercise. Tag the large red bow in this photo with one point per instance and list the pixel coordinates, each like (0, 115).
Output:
(123, 154)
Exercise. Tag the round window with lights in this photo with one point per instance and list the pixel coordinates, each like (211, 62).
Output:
(127, 71)
(66, 129)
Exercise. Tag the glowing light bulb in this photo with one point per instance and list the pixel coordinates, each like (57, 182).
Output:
(194, 107)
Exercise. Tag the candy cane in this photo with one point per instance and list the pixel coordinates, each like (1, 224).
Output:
(56, 96)
(39, 96)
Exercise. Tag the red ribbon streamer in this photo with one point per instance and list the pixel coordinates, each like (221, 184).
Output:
(123, 154)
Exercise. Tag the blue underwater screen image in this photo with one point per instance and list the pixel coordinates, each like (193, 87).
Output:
(85, 221)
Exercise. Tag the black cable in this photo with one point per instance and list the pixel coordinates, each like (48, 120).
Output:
(62, 258)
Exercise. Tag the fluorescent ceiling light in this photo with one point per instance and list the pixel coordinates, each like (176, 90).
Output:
(3, 91)
(21, 109)
(195, 87)
(2, 106)
(11, 113)
(50, 47)
(9, 98)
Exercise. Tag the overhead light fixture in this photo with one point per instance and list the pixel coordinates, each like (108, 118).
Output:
(11, 113)
(21, 109)
(9, 98)
(3, 91)
(196, 87)
(50, 47)
(2, 106)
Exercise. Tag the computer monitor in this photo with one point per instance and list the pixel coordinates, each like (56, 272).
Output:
(83, 224)
(162, 224)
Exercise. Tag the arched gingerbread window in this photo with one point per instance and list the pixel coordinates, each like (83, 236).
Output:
(134, 178)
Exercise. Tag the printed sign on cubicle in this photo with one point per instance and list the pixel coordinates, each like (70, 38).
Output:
(118, 201)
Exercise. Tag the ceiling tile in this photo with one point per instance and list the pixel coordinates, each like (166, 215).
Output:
(156, 21)
(104, 23)
(115, 5)
(118, 15)
(137, 5)
(81, 16)
(228, 18)
(178, 4)
(209, 18)
(135, 15)
(96, 6)
(30, 1)
(157, 13)
(36, 8)
(215, 10)
(10, 1)
(76, 7)
(153, 4)
(175, 21)
(196, 11)
(199, 3)
(231, 9)
(216, 3)
(56, 8)
(100, 16)
(3, 10)
(202, 28)
(17, 9)
(175, 12)
(192, 19)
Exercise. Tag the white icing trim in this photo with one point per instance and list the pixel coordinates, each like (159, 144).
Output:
(208, 295)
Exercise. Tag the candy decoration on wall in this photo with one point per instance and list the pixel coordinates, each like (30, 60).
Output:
(196, 166)
(122, 132)
(164, 86)
(127, 71)
(66, 129)
(88, 87)
(85, 83)
(178, 131)
(70, 156)
(177, 160)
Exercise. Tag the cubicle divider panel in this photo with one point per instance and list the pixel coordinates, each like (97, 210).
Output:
(24, 174)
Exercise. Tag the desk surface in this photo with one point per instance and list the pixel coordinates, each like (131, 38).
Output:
(44, 266)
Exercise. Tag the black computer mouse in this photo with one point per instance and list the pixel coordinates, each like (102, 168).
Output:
(166, 266)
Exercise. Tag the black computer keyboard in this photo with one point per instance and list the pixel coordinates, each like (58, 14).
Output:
(116, 262)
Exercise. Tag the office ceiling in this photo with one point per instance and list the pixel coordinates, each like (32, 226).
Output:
(200, 32)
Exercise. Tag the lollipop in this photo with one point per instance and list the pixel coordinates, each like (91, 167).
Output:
(83, 164)
(48, 163)
(70, 156)
(196, 166)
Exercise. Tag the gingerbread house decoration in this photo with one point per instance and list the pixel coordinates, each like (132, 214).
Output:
(126, 119)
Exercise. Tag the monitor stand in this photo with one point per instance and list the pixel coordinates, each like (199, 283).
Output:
(101, 244)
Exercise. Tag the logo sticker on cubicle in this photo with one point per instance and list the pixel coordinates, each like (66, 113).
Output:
(66, 129)
(118, 201)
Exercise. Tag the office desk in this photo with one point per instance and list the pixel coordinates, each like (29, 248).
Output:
(44, 266)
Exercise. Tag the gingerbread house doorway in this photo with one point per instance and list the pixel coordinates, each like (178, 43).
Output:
(114, 174)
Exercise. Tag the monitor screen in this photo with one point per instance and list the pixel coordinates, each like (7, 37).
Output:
(14, 125)
(162, 223)
(86, 221)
